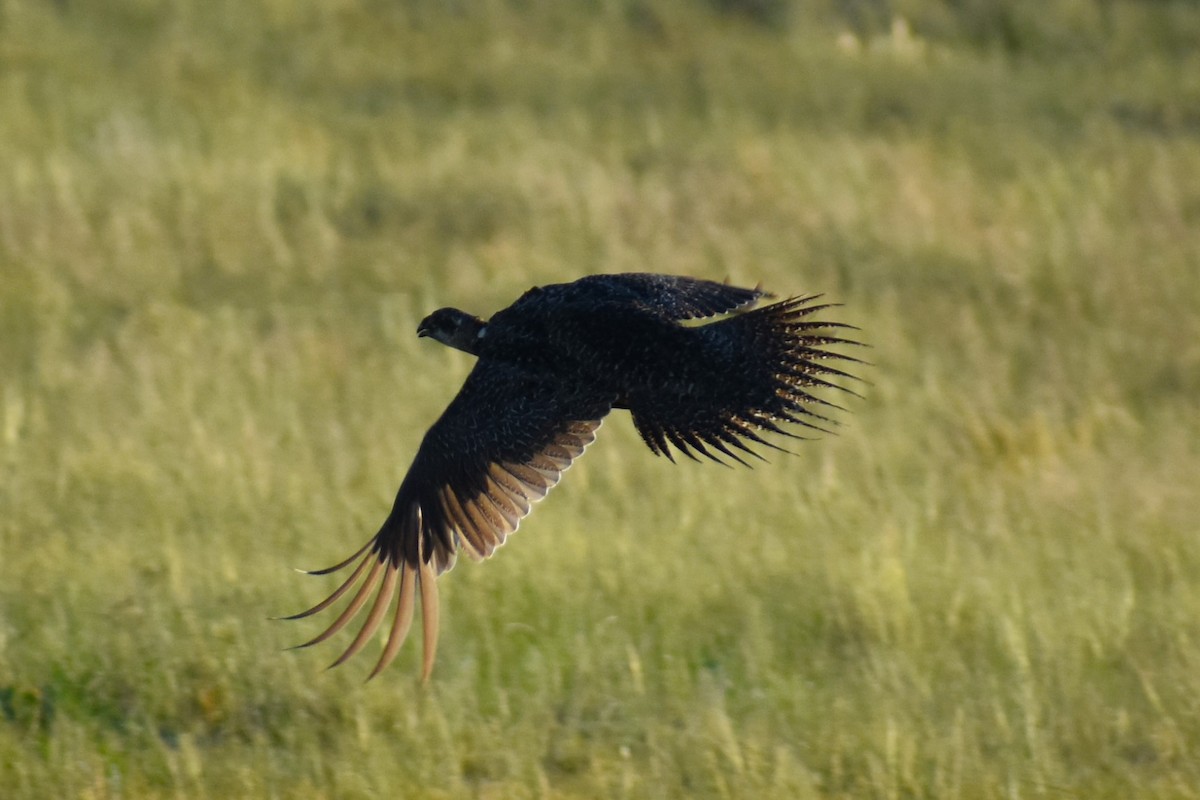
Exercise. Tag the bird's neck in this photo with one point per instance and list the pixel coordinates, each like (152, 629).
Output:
(468, 336)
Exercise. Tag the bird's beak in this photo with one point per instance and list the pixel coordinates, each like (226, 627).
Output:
(422, 330)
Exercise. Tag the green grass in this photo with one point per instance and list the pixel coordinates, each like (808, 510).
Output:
(220, 223)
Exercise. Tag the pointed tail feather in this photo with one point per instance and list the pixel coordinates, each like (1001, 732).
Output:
(748, 373)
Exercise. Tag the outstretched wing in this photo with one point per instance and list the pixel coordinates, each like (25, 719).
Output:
(499, 447)
(671, 297)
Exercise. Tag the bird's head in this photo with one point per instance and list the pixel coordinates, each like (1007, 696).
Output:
(454, 328)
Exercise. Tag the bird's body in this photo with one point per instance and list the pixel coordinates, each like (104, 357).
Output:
(551, 366)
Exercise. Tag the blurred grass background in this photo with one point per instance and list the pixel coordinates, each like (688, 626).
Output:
(220, 223)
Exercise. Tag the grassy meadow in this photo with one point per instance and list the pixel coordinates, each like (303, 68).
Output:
(220, 223)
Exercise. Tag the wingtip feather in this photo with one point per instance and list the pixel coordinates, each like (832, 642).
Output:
(429, 618)
(355, 604)
(402, 622)
(382, 600)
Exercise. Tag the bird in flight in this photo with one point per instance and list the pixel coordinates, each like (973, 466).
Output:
(550, 367)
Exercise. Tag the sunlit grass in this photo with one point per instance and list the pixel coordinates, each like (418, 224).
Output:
(220, 224)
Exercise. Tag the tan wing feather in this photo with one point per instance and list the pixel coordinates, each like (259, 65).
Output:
(480, 524)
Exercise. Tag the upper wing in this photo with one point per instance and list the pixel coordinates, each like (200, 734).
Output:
(500, 446)
(671, 297)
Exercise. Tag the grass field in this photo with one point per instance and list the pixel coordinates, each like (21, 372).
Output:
(220, 223)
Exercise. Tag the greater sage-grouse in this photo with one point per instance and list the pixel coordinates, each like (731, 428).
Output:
(550, 367)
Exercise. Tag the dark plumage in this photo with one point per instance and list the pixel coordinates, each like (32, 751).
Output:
(551, 366)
